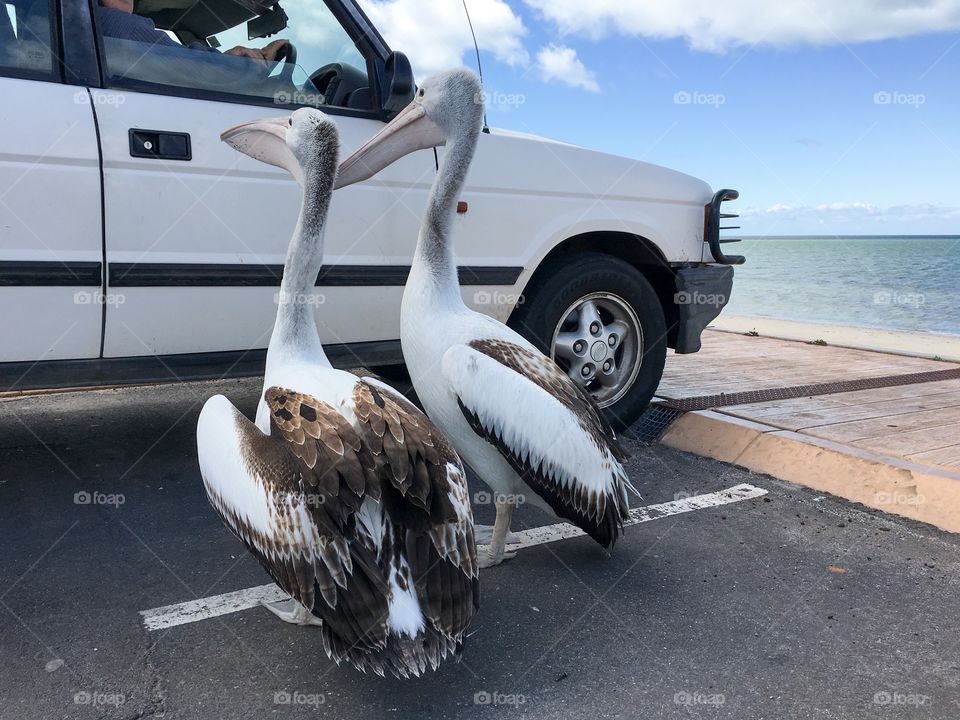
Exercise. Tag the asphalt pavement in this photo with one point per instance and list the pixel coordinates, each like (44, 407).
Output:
(790, 605)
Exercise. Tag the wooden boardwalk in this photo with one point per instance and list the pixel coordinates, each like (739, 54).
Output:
(917, 422)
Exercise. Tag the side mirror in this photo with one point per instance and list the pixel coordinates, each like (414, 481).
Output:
(399, 88)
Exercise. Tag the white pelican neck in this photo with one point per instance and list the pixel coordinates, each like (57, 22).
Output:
(434, 256)
(295, 332)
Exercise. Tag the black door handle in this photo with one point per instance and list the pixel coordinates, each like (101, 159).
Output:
(160, 145)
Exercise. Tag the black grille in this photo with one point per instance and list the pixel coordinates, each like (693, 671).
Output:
(706, 402)
(713, 223)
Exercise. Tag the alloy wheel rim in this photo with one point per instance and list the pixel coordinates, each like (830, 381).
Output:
(598, 342)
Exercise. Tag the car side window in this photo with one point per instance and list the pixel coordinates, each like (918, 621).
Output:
(25, 39)
(212, 49)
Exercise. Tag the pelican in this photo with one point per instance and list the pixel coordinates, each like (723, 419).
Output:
(514, 416)
(345, 492)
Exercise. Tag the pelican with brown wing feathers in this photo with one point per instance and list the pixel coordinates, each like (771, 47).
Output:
(346, 493)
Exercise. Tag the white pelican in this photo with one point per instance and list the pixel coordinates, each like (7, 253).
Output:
(347, 495)
(518, 420)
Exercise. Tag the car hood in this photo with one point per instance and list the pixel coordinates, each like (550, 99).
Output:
(531, 163)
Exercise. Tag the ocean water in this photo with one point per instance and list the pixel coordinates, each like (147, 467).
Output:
(897, 283)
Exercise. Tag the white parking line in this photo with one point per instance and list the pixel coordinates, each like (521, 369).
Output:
(195, 610)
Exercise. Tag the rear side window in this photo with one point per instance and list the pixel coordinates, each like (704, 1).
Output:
(26, 40)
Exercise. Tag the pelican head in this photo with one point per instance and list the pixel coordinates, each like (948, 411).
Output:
(305, 140)
(448, 106)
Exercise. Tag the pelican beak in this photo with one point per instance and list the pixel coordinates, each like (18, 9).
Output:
(408, 132)
(266, 141)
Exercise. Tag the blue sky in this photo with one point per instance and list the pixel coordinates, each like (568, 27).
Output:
(827, 120)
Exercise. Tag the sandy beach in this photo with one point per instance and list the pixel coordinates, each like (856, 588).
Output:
(920, 344)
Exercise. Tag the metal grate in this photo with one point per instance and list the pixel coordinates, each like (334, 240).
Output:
(706, 402)
(653, 424)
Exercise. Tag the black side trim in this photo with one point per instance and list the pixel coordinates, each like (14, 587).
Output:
(45, 274)
(81, 66)
(23, 376)
(237, 275)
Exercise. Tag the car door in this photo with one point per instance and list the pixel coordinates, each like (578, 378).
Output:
(50, 222)
(196, 233)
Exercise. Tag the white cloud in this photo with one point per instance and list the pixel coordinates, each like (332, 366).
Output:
(436, 35)
(560, 63)
(716, 26)
(856, 208)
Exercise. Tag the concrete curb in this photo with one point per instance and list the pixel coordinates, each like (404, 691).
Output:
(919, 492)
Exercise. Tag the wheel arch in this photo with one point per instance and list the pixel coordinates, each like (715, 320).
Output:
(640, 252)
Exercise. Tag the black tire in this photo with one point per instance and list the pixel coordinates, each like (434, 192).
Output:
(570, 279)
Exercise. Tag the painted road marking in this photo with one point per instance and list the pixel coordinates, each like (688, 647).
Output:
(195, 610)
(562, 531)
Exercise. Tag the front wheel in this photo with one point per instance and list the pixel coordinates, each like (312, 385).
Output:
(600, 319)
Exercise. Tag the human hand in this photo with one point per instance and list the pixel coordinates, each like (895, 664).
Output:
(267, 55)
(252, 53)
(270, 51)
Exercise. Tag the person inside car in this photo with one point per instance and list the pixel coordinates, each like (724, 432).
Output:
(116, 19)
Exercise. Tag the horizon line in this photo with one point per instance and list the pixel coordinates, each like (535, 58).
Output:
(852, 237)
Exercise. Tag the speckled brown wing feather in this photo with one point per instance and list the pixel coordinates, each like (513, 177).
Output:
(337, 464)
(352, 511)
(428, 499)
(317, 473)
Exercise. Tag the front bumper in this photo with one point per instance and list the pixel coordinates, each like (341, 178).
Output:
(702, 292)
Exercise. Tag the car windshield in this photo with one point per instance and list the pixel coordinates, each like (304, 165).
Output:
(318, 36)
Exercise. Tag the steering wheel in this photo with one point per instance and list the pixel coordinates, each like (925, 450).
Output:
(287, 53)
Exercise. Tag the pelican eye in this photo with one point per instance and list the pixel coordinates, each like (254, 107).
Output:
(290, 121)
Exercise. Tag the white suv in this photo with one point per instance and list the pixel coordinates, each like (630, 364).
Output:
(136, 247)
